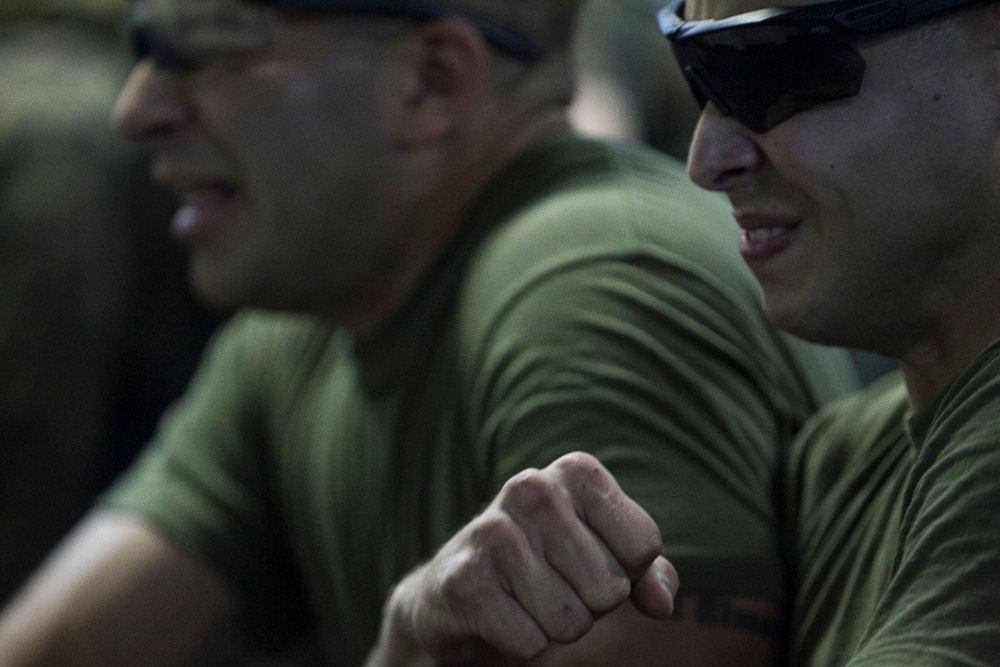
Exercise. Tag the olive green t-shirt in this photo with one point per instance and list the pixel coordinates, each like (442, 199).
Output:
(893, 521)
(595, 302)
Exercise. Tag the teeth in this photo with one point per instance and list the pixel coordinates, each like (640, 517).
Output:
(764, 233)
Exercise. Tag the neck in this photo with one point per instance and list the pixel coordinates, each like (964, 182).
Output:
(967, 327)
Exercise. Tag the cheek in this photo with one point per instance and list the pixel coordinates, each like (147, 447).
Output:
(850, 155)
(290, 145)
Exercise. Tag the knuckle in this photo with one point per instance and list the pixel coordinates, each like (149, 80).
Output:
(499, 543)
(645, 545)
(654, 542)
(582, 471)
(531, 492)
(493, 530)
(646, 538)
(467, 581)
(580, 465)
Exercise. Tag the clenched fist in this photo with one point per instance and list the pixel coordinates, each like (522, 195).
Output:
(555, 550)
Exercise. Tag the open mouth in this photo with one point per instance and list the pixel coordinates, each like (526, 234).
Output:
(766, 242)
(766, 233)
(204, 207)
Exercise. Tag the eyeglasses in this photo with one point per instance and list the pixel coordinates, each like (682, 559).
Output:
(181, 35)
(765, 66)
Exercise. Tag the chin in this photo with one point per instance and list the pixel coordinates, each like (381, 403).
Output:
(214, 292)
(216, 301)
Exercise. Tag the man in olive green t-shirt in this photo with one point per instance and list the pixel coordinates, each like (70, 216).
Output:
(862, 166)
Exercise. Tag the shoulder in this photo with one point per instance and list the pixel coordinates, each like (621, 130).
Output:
(870, 414)
(959, 459)
(880, 405)
(254, 350)
(849, 436)
(972, 403)
(610, 209)
(607, 199)
(261, 335)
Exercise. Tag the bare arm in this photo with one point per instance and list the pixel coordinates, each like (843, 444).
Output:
(702, 632)
(556, 549)
(114, 593)
(563, 569)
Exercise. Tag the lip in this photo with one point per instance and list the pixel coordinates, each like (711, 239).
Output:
(765, 236)
(207, 200)
(203, 210)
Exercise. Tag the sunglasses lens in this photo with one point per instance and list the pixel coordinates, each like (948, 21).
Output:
(762, 75)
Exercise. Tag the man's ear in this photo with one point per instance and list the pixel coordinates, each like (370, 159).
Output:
(450, 78)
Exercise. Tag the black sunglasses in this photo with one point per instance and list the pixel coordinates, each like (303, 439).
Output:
(181, 34)
(765, 66)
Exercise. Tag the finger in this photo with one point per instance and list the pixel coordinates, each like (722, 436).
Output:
(503, 591)
(452, 618)
(510, 629)
(588, 566)
(627, 530)
(654, 592)
(548, 598)
(539, 503)
(523, 571)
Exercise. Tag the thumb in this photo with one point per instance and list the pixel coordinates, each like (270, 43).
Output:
(653, 592)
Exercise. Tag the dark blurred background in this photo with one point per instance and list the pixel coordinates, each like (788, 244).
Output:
(98, 332)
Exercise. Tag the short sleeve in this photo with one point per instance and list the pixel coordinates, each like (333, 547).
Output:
(204, 479)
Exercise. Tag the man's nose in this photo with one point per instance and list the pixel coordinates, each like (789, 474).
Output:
(722, 151)
(151, 105)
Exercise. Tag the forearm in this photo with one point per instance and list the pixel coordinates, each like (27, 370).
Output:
(115, 593)
(712, 631)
